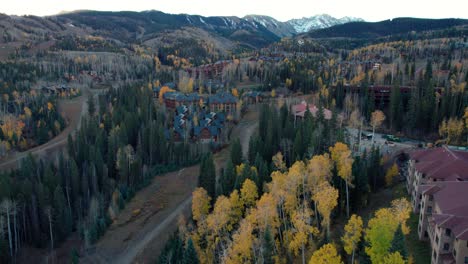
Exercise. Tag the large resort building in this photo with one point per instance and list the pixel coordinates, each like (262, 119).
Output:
(437, 182)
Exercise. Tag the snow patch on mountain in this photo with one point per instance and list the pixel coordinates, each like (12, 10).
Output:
(307, 24)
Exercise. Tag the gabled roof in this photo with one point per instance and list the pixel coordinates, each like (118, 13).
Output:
(222, 98)
(300, 110)
(441, 163)
(452, 200)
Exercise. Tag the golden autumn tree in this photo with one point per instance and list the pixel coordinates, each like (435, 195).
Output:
(379, 234)
(301, 231)
(219, 224)
(341, 156)
(265, 214)
(377, 119)
(249, 193)
(200, 204)
(391, 174)
(451, 130)
(401, 209)
(235, 92)
(327, 200)
(164, 89)
(394, 258)
(327, 254)
(278, 162)
(237, 206)
(352, 236)
(240, 250)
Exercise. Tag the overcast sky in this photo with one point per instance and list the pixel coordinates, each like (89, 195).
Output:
(370, 10)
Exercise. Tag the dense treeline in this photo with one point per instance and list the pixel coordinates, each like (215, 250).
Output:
(117, 149)
(290, 219)
(310, 150)
(385, 28)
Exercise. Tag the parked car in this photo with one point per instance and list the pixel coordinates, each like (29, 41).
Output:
(392, 138)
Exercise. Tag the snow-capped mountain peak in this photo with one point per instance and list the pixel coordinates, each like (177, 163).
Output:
(306, 24)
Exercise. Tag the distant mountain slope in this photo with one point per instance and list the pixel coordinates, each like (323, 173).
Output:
(307, 24)
(279, 28)
(385, 28)
(143, 25)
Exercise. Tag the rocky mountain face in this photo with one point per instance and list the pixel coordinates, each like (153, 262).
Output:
(307, 24)
(301, 25)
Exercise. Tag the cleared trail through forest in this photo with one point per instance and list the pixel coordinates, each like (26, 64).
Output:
(140, 238)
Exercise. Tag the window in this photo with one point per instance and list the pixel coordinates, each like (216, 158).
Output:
(431, 197)
(446, 246)
(466, 260)
(454, 252)
(437, 240)
(434, 254)
(424, 175)
(448, 232)
(426, 234)
(429, 209)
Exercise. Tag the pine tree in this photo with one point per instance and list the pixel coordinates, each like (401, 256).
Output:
(207, 179)
(91, 105)
(190, 255)
(236, 152)
(268, 247)
(228, 178)
(398, 243)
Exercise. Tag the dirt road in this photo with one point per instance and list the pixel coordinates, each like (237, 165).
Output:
(141, 230)
(73, 111)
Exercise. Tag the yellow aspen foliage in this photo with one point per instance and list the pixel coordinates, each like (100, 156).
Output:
(200, 204)
(352, 236)
(377, 118)
(249, 193)
(288, 82)
(164, 89)
(296, 177)
(451, 130)
(391, 174)
(394, 258)
(379, 234)
(278, 161)
(273, 93)
(237, 206)
(318, 170)
(326, 199)
(401, 211)
(50, 106)
(302, 230)
(220, 218)
(27, 112)
(327, 254)
(239, 169)
(241, 248)
(265, 214)
(341, 155)
(235, 92)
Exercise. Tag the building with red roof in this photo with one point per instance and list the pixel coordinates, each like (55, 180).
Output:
(443, 221)
(433, 165)
(438, 184)
(299, 110)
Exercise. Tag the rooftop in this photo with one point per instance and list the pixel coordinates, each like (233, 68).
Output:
(442, 163)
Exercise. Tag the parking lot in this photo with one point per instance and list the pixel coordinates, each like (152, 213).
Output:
(386, 147)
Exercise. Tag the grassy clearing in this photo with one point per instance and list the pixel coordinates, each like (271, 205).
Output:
(420, 250)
